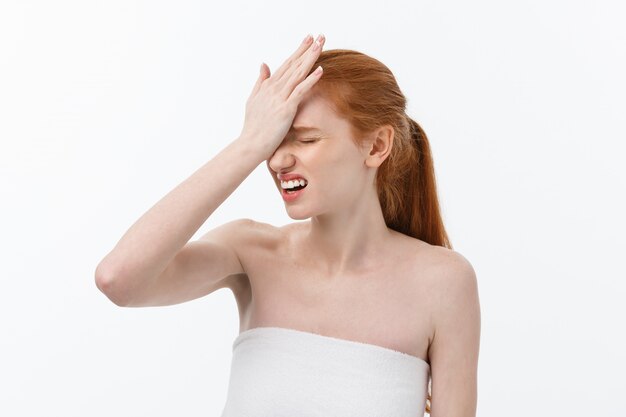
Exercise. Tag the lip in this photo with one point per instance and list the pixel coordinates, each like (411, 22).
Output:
(287, 177)
(289, 197)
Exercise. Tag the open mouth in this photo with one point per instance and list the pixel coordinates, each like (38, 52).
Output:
(294, 189)
(292, 186)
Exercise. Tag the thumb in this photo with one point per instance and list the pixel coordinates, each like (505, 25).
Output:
(265, 70)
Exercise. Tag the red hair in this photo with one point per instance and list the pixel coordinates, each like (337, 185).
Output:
(365, 92)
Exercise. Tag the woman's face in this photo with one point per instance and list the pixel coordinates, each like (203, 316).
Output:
(325, 156)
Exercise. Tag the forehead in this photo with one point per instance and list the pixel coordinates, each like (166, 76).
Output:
(315, 114)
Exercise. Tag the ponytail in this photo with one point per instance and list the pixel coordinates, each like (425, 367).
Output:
(407, 189)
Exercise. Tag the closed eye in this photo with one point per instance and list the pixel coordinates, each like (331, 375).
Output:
(309, 140)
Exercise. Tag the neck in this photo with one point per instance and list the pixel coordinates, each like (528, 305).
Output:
(350, 238)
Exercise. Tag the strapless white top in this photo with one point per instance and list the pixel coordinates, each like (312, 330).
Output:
(281, 372)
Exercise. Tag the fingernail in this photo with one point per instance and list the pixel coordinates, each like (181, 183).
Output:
(308, 38)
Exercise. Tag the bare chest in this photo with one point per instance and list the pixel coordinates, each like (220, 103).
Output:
(383, 305)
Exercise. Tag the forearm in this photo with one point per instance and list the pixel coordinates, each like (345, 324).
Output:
(146, 249)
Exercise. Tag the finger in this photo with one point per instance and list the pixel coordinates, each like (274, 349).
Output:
(308, 57)
(264, 74)
(294, 76)
(305, 86)
(306, 43)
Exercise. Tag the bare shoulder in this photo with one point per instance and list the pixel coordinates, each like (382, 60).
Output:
(242, 233)
(246, 239)
(449, 273)
(239, 243)
(443, 279)
(450, 263)
(433, 260)
(435, 271)
(453, 294)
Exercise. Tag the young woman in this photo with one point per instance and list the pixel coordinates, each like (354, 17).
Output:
(353, 312)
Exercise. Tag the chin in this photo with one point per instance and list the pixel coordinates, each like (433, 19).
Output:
(297, 214)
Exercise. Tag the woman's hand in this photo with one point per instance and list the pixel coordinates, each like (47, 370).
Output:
(274, 100)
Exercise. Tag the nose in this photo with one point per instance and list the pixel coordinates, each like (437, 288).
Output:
(282, 158)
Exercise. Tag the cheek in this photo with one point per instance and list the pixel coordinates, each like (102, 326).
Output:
(334, 167)
(336, 179)
(343, 163)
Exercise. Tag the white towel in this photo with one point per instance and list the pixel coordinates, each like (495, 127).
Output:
(280, 372)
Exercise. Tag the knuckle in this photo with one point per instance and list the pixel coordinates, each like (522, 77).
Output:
(271, 88)
(287, 108)
(302, 71)
(291, 107)
(297, 92)
(284, 107)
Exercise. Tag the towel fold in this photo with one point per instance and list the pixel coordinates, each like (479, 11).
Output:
(280, 372)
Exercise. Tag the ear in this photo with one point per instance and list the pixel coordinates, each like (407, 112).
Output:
(379, 146)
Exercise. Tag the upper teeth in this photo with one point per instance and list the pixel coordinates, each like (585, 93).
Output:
(292, 183)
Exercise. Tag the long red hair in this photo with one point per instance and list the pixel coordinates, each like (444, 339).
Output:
(365, 92)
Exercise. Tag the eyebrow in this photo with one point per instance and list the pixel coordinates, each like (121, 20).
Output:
(304, 129)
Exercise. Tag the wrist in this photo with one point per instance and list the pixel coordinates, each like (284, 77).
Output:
(251, 146)
(244, 145)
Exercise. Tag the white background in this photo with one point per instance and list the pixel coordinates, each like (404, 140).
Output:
(107, 106)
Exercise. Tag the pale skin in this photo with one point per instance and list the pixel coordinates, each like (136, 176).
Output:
(343, 273)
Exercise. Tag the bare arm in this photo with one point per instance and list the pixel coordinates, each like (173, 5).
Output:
(454, 349)
(151, 243)
(153, 264)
